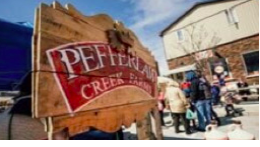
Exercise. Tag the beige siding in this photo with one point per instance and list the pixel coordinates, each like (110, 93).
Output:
(210, 21)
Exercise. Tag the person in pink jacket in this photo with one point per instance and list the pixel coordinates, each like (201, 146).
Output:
(161, 105)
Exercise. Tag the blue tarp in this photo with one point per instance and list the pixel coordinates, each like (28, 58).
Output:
(15, 53)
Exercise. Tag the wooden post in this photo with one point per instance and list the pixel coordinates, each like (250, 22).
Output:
(49, 127)
(158, 126)
(61, 135)
(144, 129)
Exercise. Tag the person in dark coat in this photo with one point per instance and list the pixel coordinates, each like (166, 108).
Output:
(215, 91)
(201, 97)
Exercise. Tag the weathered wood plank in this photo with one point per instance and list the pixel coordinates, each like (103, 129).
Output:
(90, 28)
(144, 128)
(103, 98)
(158, 125)
(34, 54)
(108, 119)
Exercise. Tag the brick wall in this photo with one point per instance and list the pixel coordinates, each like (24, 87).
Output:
(233, 53)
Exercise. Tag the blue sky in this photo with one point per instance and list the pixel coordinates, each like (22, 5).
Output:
(145, 17)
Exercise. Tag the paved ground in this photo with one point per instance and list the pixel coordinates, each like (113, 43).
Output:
(250, 121)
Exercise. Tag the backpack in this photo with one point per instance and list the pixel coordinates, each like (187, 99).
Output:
(186, 88)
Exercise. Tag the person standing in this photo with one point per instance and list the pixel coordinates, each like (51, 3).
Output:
(215, 93)
(161, 105)
(178, 105)
(215, 90)
(201, 97)
(185, 86)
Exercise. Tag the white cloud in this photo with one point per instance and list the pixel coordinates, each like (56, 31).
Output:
(149, 17)
(150, 20)
(150, 12)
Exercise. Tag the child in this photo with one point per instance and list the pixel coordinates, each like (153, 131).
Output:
(161, 105)
(191, 116)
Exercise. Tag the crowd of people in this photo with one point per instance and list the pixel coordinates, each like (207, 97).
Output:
(190, 100)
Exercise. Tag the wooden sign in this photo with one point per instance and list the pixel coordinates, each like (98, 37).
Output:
(86, 71)
(203, 55)
(89, 71)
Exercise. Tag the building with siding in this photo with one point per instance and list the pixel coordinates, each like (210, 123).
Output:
(228, 29)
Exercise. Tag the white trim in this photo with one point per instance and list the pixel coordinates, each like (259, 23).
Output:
(182, 69)
(58, 81)
(230, 72)
(232, 16)
(182, 34)
(252, 76)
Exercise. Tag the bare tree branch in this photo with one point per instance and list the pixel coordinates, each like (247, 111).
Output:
(197, 39)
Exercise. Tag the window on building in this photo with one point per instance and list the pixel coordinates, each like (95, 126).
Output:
(252, 62)
(231, 16)
(180, 35)
(180, 76)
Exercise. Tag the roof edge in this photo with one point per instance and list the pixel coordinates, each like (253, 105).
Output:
(189, 11)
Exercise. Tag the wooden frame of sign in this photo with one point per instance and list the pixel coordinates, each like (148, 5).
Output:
(90, 71)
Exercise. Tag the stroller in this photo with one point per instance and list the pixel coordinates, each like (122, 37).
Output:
(228, 100)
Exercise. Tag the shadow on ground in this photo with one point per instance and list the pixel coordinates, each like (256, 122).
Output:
(179, 138)
(130, 136)
(226, 120)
